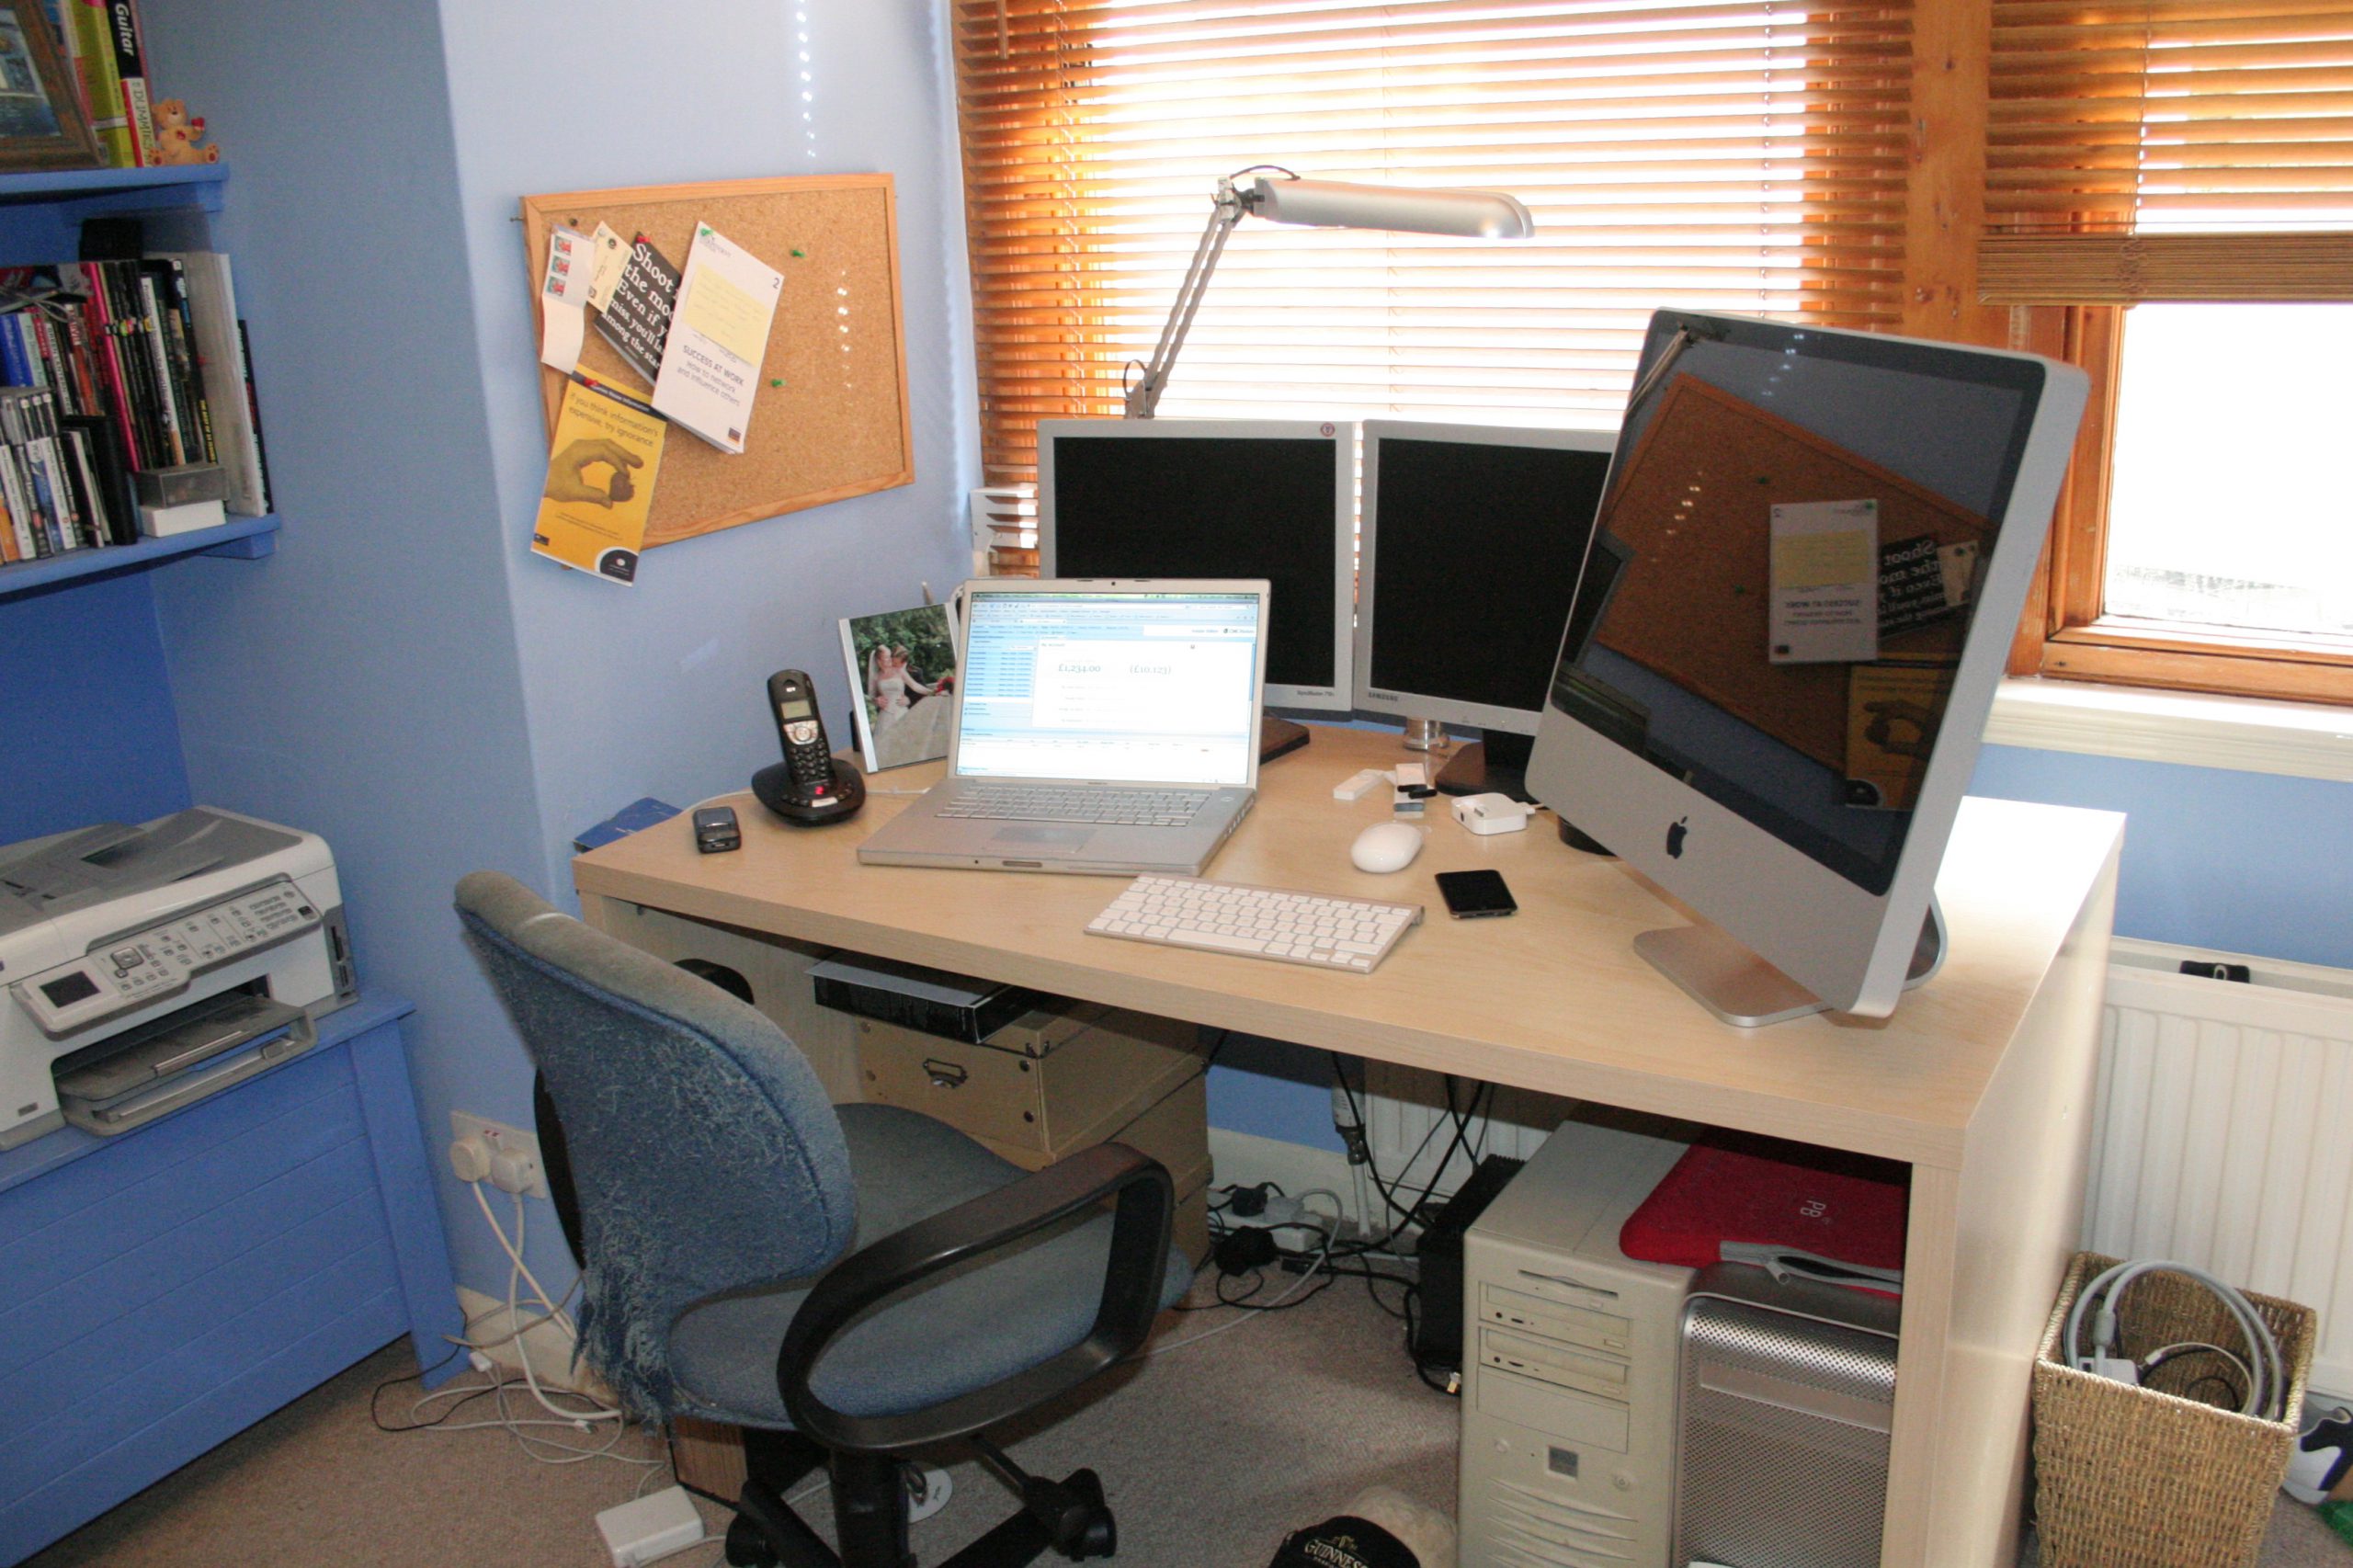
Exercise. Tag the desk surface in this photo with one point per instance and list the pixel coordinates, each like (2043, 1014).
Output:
(1554, 999)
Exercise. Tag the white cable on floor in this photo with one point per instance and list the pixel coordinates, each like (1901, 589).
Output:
(1251, 1310)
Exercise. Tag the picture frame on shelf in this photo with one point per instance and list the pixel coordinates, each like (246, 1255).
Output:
(901, 665)
(42, 125)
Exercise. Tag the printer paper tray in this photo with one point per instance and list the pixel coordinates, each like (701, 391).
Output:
(165, 1064)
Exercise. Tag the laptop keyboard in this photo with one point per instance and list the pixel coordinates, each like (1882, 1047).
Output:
(1047, 802)
(1263, 922)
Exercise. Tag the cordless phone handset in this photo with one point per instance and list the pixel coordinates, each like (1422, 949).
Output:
(801, 733)
(809, 787)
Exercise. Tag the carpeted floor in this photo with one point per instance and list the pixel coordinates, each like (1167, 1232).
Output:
(1211, 1454)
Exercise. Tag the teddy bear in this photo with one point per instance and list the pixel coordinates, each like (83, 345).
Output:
(177, 135)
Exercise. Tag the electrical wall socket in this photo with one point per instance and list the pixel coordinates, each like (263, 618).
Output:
(502, 1139)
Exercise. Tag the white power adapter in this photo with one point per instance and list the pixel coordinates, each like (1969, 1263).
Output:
(1492, 813)
(649, 1527)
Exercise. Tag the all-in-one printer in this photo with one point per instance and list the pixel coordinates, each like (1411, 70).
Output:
(145, 967)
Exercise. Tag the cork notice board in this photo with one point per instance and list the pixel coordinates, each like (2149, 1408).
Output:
(830, 418)
(1695, 508)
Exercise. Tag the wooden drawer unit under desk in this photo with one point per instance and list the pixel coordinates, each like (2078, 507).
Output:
(1042, 1086)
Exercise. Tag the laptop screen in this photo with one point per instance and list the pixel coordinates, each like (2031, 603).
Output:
(1158, 686)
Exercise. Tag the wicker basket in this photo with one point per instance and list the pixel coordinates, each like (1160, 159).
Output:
(2141, 1476)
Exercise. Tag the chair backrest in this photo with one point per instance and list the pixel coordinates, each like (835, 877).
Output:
(702, 1146)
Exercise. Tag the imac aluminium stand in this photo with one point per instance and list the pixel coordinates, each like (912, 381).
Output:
(1742, 989)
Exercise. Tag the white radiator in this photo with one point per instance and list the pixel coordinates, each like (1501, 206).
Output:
(2223, 1130)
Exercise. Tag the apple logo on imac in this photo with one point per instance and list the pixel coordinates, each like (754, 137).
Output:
(1675, 839)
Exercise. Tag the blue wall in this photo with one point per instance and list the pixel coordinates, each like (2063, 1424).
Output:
(88, 733)
(404, 676)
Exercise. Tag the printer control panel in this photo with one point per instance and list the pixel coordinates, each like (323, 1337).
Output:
(134, 971)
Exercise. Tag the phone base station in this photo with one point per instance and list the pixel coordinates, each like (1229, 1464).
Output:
(773, 788)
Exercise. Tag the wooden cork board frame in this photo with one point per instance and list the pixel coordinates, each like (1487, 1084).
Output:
(830, 418)
(1695, 509)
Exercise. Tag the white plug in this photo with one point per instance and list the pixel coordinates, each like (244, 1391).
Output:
(2123, 1368)
(512, 1172)
(469, 1157)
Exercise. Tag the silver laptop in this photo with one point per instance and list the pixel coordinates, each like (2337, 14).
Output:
(1104, 726)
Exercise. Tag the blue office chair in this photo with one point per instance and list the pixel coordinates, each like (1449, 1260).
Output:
(844, 1283)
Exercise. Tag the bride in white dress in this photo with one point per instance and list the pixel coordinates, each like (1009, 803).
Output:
(908, 726)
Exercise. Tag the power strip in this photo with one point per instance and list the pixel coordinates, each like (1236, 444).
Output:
(1280, 1211)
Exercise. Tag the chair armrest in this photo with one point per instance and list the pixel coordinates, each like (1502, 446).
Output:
(1141, 1227)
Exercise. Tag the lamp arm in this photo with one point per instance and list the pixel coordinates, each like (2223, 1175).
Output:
(1144, 395)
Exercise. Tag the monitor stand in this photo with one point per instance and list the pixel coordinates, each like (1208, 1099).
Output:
(1499, 762)
(1278, 736)
(1742, 989)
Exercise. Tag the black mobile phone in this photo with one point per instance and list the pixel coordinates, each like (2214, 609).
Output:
(716, 830)
(1473, 895)
(801, 733)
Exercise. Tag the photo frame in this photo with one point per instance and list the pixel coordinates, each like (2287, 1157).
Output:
(901, 665)
(42, 125)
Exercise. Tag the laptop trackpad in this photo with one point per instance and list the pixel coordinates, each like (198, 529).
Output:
(1063, 837)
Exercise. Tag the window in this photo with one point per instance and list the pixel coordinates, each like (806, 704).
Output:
(1748, 156)
(2169, 189)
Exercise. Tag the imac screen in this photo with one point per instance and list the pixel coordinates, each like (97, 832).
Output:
(1210, 506)
(1785, 570)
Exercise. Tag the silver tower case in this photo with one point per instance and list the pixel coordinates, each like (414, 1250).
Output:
(1787, 1400)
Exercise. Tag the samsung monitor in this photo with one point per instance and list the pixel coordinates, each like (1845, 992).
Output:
(1272, 498)
(1808, 567)
(1467, 561)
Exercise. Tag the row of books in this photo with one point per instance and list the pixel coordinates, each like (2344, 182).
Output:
(153, 346)
(62, 485)
(106, 53)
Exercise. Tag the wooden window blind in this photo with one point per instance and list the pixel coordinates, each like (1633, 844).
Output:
(2171, 150)
(1729, 155)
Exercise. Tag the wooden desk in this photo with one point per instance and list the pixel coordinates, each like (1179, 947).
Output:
(1982, 1081)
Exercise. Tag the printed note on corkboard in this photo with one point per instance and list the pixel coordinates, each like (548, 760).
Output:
(1694, 508)
(829, 419)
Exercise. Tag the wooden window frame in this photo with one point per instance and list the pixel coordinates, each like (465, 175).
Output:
(2066, 634)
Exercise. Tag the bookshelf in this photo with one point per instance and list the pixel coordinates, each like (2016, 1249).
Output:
(241, 539)
(61, 199)
(181, 183)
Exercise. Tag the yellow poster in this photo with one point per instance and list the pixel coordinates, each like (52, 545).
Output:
(601, 469)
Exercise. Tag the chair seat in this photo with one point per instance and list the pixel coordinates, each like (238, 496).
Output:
(961, 1330)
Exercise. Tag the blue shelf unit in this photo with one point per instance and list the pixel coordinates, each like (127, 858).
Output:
(164, 1289)
(44, 212)
(242, 539)
(119, 189)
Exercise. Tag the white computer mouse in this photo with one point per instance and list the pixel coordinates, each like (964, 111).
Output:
(1386, 846)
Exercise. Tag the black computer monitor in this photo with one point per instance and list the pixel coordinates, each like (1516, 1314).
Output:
(1472, 537)
(1272, 498)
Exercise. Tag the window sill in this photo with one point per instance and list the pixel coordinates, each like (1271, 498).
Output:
(2301, 740)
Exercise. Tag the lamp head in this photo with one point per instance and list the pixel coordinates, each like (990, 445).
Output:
(1335, 204)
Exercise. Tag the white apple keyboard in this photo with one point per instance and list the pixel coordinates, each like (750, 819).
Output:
(1322, 932)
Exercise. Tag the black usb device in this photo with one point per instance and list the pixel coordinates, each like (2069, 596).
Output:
(716, 831)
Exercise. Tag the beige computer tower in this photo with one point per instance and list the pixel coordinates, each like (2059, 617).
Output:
(1569, 1380)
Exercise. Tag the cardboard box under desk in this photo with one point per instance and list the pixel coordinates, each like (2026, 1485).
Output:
(1045, 1085)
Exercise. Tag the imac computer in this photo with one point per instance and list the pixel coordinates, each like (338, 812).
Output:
(1467, 561)
(1272, 498)
(1803, 583)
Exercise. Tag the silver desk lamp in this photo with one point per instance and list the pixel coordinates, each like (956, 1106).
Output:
(1326, 204)
(1317, 203)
